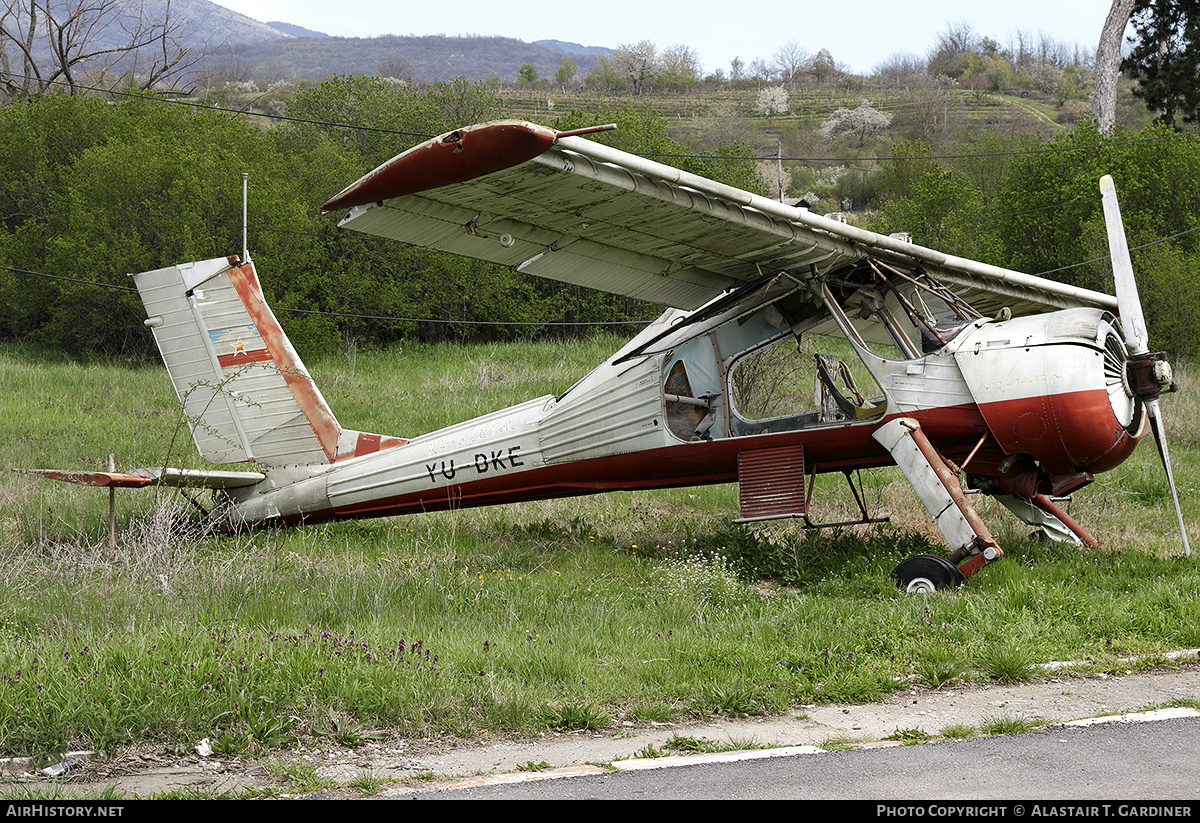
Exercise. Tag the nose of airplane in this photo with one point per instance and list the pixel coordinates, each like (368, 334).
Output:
(1056, 387)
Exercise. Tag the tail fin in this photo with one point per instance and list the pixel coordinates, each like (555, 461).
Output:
(245, 392)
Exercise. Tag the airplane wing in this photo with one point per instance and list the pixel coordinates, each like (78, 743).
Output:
(558, 205)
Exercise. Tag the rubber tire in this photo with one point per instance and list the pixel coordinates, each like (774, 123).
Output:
(927, 573)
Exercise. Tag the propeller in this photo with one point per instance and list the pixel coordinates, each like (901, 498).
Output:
(1148, 371)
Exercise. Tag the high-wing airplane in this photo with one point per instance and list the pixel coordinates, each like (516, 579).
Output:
(969, 377)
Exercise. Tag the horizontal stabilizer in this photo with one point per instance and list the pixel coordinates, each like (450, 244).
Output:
(138, 478)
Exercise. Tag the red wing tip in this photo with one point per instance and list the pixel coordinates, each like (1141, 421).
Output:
(453, 157)
(101, 479)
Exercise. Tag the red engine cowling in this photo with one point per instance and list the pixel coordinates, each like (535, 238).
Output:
(1055, 387)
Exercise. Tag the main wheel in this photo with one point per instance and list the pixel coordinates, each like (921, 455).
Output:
(926, 573)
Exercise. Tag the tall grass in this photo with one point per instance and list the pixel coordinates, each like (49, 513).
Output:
(560, 614)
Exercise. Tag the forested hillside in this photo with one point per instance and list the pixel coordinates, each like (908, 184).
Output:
(422, 59)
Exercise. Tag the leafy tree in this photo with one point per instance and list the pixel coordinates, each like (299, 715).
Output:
(1038, 212)
(379, 117)
(605, 74)
(566, 71)
(527, 75)
(1165, 58)
(956, 49)
(737, 69)
(679, 68)
(823, 66)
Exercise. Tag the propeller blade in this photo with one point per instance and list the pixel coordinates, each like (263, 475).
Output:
(1133, 326)
(1160, 439)
(1133, 321)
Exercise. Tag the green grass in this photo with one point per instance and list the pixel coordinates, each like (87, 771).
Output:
(515, 620)
(685, 744)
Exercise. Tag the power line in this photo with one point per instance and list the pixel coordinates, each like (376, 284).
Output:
(210, 107)
(1017, 153)
(68, 279)
(352, 316)
(393, 319)
(465, 322)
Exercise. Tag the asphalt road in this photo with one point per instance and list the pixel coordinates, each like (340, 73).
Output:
(1151, 765)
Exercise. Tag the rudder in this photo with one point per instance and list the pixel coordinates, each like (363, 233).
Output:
(244, 390)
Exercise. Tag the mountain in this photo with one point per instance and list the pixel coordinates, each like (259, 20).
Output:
(430, 58)
(294, 30)
(201, 22)
(573, 48)
(230, 44)
(282, 51)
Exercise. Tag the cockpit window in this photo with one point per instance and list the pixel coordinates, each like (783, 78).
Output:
(796, 384)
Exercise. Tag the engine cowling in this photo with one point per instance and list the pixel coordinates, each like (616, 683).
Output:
(1055, 387)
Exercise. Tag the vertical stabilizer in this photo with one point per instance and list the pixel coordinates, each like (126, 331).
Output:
(244, 390)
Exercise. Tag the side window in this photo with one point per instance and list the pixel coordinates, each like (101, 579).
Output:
(775, 381)
(795, 384)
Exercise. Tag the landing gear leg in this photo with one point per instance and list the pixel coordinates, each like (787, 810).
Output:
(936, 484)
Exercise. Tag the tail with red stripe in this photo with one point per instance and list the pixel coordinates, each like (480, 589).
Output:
(244, 390)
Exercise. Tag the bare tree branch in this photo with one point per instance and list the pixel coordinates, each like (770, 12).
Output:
(61, 41)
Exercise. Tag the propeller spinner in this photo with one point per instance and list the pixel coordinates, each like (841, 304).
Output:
(1148, 373)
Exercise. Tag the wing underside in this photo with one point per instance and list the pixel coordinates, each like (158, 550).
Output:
(585, 214)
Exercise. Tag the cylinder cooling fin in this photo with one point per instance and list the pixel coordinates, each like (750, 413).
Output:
(1121, 397)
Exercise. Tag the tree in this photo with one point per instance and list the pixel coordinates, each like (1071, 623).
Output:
(900, 71)
(761, 71)
(862, 121)
(638, 62)
(384, 116)
(823, 66)
(679, 67)
(605, 74)
(1165, 59)
(566, 70)
(772, 100)
(527, 75)
(396, 67)
(790, 62)
(1108, 64)
(47, 43)
(1047, 78)
(956, 47)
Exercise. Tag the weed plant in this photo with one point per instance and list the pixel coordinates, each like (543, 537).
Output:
(630, 607)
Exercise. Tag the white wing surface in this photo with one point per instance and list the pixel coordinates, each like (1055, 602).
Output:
(561, 206)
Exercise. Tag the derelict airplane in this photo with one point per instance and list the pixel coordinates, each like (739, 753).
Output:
(1024, 387)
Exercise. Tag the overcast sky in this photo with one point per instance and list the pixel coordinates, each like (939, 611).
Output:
(859, 34)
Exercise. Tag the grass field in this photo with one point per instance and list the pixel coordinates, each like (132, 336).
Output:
(631, 607)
